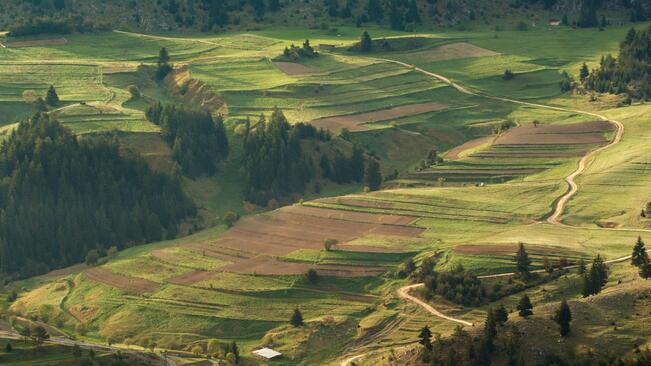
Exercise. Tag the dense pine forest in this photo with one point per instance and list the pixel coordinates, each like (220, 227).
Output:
(62, 196)
(630, 73)
(215, 15)
(198, 141)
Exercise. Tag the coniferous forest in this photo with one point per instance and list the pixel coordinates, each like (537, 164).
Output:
(61, 196)
(630, 73)
(198, 141)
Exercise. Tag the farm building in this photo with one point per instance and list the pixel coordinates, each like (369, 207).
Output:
(267, 353)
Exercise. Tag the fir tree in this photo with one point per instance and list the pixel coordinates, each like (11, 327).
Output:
(639, 257)
(373, 176)
(563, 317)
(522, 262)
(490, 329)
(297, 318)
(501, 315)
(425, 338)
(366, 43)
(584, 72)
(51, 98)
(525, 306)
(581, 268)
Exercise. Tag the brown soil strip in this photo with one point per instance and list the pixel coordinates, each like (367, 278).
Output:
(454, 153)
(511, 249)
(355, 122)
(191, 277)
(294, 69)
(453, 51)
(129, 284)
(357, 202)
(263, 265)
(37, 43)
(578, 133)
(63, 272)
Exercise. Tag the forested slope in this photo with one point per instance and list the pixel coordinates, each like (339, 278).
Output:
(61, 196)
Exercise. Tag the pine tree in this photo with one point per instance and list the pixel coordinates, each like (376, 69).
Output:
(51, 98)
(366, 43)
(522, 262)
(581, 268)
(373, 176)
(490, 329)
(8, 348)
(584, 72)
(501, 315)
(563, 318)
(639, 257)
(425, 338)
(525, 306)
(297, 318)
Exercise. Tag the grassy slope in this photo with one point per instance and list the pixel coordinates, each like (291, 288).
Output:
(445, 211)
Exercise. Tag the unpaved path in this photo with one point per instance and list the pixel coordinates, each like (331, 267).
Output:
(554, 218)
(403, 293)
(559, 206)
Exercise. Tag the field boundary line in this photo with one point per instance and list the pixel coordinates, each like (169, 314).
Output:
(573, 188)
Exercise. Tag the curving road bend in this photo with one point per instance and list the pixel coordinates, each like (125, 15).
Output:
(554, 217)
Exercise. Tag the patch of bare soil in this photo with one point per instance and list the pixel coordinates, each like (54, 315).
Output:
(453, 51)
(191, 277)
(255, 242)
(571, 134)
(63, 272)
(36, 43)
(454, 153)
(356, 122)
(129, 284)
(194, 92)
(294, 69)
(511, 249)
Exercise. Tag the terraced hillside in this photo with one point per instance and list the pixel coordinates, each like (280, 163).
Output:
(503, 170)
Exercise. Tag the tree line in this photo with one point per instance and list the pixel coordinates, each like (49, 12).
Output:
(53, 25)
(629, 73)
(62, 196)
(199, 141)
(276, 166)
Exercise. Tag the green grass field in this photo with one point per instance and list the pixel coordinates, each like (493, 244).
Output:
(465, 222)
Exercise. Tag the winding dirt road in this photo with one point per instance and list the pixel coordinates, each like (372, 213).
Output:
(557, 211)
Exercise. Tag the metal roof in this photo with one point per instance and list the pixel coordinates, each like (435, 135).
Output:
(267, 353)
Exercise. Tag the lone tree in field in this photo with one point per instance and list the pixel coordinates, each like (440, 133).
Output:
(92, 257)
(640, 259)
(525, 306)
(9, 347)
(522, 262)
(373, 176)
(164, 67)
(639, 256)
(425, 338)
(563, 318)
(297, 318)
(312, 276)
(508, 74)
(329, 244)
(52, 98)
(595, 279)
(366, 43)
(38, 333)
(230, 218)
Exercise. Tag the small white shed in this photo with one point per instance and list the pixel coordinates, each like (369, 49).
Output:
(267, 353)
